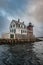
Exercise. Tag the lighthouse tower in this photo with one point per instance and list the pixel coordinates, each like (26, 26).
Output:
(30, 29)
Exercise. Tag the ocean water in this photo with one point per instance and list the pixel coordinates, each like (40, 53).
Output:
(22, 54)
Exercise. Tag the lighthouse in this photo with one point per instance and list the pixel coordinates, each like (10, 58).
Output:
(30, 29)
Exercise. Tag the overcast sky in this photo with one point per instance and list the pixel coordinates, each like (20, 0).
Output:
(26, 10)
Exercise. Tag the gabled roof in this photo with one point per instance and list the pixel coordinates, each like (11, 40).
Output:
(18, 22)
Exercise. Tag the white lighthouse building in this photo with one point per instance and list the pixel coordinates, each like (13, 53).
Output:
(18, 29)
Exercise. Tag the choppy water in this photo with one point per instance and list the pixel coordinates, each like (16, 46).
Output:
(23, 54)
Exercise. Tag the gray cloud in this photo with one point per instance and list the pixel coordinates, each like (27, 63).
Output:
(35, 10)
(31, 11)
(3, 24)
(8, 10)
(4, 3)
(38, 13)
(34, 13)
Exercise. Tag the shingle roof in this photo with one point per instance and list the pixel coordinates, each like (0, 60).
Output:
(18, 22)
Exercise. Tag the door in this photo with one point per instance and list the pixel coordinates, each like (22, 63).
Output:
(11, 35)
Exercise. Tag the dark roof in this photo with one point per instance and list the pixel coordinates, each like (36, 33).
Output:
(18, 22)
(30, 25)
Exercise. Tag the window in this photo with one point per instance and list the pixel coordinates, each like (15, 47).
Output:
(11, 26)
(21, 31)
(19, 25)
(23, 26)
(14, 25)
(14, 30)
(10, 30)
(25, 31)
(11, 36)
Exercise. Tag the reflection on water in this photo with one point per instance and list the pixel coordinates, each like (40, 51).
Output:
(22, 54)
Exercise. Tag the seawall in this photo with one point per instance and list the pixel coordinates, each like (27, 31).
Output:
(15, 41)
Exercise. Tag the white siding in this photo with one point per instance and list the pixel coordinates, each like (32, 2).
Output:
(24, 31)
(18, 31)
(7, 35)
